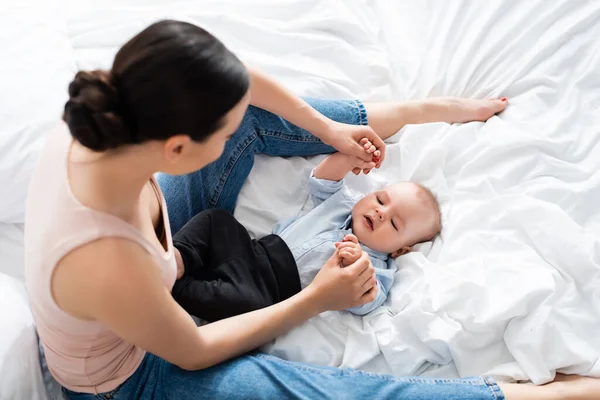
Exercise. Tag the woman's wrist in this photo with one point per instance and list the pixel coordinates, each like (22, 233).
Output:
(320, 126)
(311, 302)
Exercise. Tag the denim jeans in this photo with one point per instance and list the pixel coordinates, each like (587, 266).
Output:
(218, 184)
(260, 376)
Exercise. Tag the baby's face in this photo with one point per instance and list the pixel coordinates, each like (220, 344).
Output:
(394, 218)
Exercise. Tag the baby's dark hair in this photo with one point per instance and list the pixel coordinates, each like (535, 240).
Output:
(431, 199)
(171, 78)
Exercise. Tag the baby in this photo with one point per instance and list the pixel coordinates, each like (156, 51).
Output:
(385, 224)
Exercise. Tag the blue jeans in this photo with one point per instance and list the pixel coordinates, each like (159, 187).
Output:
(218, 184)
(261, 376)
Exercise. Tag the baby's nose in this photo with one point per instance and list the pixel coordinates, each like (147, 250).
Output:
(380, 214)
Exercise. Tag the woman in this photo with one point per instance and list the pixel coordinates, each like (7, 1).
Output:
(100, 258)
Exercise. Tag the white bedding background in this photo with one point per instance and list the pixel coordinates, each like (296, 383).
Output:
(512, 288)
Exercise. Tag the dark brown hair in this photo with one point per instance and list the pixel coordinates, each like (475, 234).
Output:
(171, 78)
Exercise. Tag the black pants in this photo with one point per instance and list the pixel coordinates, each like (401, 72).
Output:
(226, 272)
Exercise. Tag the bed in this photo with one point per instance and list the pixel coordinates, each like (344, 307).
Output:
(512, 286)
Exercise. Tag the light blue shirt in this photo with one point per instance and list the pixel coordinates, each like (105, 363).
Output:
(312, 237)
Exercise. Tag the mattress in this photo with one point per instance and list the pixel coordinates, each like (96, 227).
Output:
(512, 286)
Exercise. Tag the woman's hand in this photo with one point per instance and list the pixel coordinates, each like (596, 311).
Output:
(339, 288)
(346, 139)
(359, 165)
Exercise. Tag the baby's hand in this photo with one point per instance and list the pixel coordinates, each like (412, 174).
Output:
(360, 165)
(349, 250)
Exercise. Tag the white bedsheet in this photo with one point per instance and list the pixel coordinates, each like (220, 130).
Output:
(513, 286)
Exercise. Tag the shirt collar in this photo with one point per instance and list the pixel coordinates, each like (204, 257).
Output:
(348, 222)
(375, 254)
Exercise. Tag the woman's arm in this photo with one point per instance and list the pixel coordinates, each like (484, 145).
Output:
(123, 289)
(269, 95)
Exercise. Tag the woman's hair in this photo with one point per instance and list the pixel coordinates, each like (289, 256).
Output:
(172, 78)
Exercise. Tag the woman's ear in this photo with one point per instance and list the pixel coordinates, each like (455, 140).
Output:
(404, 250)
(174, 147)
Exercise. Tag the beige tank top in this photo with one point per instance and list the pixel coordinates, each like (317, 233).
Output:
(83, 356)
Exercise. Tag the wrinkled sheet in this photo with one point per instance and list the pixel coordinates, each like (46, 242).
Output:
(512, 286)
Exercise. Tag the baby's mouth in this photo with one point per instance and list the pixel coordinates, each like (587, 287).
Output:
(369, 222)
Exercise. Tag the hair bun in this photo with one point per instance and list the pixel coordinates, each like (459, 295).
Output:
(93, 112)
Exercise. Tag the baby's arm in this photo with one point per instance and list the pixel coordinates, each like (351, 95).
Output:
(349, 251)
(336, 166)
(328, 177)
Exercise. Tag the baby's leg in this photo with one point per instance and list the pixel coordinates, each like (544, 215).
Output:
(388, 118)
(226, 272)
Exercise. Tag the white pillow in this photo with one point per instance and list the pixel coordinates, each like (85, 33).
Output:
(20, 372)
(12, 261)
(36, 68)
